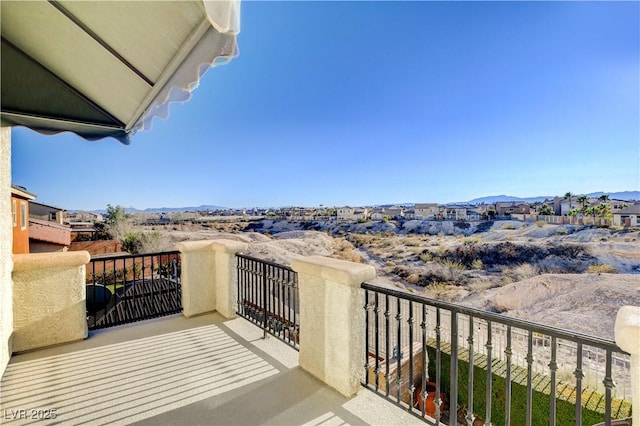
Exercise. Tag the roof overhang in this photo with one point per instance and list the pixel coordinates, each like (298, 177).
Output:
(106, 68)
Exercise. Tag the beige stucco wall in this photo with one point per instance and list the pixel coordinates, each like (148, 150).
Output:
(209, 276)
(332, 320)
(227, 276)
(627, 332)
(49, 299)
(6, 242)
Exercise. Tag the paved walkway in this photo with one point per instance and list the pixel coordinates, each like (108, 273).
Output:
(198, 371)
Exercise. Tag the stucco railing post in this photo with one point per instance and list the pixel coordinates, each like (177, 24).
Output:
(227, 275)
(49, 299)
(627, 332)
(208, 276)
(6, 244)
(332, 320)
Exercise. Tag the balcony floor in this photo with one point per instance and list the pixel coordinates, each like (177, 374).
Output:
(174, 370)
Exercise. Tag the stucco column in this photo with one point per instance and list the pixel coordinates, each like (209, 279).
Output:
(208, 277)
(49, 299)
(332, 320)
(226, 275)
(6, 245)
(627, 331)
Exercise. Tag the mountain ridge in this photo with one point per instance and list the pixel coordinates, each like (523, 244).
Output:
(621, 195)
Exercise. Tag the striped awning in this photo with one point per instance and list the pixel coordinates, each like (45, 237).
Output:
(106, 68)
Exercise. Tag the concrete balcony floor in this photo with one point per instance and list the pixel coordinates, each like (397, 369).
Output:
(174, 370)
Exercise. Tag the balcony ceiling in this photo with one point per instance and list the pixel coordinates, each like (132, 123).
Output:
(102, 68)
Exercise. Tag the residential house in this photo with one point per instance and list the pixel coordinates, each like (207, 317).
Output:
(47, 231)
(628, 216)
(426, 211)
(46, 212)
(350, 214)
(20, 198)
(454, 212)
(506, 208)
(79, 216)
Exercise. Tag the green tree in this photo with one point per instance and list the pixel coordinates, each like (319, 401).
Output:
(545, 210)
(604, 198)
(583, 200)
(116, 222)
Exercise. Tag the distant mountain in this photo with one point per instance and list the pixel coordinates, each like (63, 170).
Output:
(501, 198)
(625, 195)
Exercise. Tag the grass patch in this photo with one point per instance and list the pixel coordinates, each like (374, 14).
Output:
(602, 269)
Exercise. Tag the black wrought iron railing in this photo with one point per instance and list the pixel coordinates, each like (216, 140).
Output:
(457, 365)
(129, 288)
(268, 297)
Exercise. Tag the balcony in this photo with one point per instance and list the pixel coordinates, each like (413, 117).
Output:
(425, 360)
(177, 370)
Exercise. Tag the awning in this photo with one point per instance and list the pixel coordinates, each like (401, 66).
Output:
(106, 68)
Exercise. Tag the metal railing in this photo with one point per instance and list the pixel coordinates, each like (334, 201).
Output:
(422, 354)
(268, 297)
(129, 288)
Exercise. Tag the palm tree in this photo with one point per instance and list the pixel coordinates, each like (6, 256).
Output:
(583, 200)
(603, 198)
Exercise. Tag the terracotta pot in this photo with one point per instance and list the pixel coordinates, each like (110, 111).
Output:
(430, 408)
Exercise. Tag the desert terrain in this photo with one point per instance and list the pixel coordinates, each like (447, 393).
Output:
(566, 276)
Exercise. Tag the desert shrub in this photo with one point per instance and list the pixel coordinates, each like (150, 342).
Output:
(477, 264)
(426, 256)
(602, 269)
(453, 264)
(568, 250)
(472, 239)
(540, 223)
(509, 226)
(521, 272)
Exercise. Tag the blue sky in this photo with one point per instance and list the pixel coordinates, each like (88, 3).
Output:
(364, 103)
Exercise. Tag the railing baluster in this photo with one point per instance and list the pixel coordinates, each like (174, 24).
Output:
(608, 387)
(264, 300)
(508, 353)
(579, 376)
(529, 376)
(398, 350)
(470, 415)
(489, 395)
(423, 390)
(412, 388)
(387, 315)
(438, 366)
(453, 384)
(376, 312)
(553, 367)
(366, 339)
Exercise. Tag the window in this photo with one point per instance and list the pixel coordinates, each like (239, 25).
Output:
(14, 212)
(23, 215)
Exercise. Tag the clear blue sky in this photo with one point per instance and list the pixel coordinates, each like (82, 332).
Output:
(364, 103)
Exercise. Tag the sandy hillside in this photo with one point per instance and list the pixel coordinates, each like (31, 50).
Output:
(539, 273)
